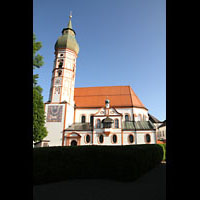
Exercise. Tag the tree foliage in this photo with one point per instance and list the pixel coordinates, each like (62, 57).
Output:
(39, 129)
(37, 59)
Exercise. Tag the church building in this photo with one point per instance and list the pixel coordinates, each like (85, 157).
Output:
(108, 115)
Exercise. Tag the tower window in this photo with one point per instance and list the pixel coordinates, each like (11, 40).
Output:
(60, 65)
(83, 119)
(59, 72)
(61, 54)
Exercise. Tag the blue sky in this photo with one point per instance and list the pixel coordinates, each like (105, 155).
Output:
(122, 42)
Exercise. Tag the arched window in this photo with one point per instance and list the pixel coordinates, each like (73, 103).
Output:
(116, 123)
(114, 138)
(98, 123)
(59, 72)
(126, 117)
(83, 119)
(107, 122)
(148, 138)
(101, 138)
(130, 138)
(87, 138)
(60, 65)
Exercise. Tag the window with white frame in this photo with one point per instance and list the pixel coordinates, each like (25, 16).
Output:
(116, 123)
(127, 118)
(98, 123)
(83, 119)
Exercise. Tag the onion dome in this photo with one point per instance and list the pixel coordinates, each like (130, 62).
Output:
(68, 40)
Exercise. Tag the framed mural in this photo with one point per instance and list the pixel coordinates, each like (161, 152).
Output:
(54, 113)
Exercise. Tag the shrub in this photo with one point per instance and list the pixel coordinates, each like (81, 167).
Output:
(124, 163)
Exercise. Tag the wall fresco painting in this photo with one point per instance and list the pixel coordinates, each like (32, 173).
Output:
(54, 113)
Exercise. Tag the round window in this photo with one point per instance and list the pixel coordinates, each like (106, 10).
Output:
(148, 138)
(87, 138)
(114, 138)
(101, 138)
(131, 138)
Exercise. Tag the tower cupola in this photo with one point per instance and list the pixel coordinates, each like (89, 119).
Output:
(68, 40)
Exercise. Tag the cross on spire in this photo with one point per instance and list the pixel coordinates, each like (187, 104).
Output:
(70, 15)
(70, 23)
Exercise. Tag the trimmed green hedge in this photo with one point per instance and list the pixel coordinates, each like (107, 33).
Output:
(124, 163)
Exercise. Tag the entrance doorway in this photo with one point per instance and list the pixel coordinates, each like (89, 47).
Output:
(73, 143)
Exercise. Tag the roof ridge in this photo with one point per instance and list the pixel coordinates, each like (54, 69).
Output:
(95, 96)
(103, 95)
(103, 86)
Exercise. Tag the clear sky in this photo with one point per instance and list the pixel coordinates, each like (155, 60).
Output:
(122, 42)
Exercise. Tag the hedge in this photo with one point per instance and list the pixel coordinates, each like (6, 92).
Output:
(123, 163)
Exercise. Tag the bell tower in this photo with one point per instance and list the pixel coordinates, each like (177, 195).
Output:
(60, 107)
(63, 74)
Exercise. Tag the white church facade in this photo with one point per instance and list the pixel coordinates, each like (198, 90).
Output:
(111, 115)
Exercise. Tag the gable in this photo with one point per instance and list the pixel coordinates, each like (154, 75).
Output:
(112, 111)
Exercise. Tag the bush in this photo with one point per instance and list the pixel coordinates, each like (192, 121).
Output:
(124, 163)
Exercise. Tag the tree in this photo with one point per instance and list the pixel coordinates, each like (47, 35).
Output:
(39, 129)
(37, 59)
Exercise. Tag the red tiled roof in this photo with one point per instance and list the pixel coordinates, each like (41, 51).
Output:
(119, 96)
